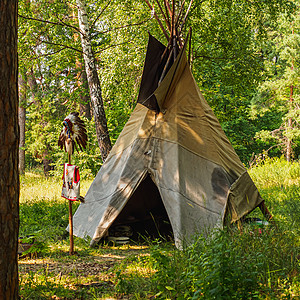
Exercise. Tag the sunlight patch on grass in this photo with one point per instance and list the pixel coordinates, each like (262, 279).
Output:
(36, 261)
(112, 256)
(139, 247)
(276, 172)
(34, 187)
(143, 271)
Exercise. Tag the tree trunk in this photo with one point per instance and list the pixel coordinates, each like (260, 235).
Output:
(288, 150)
(33, 86)
(93, 82)
(22, 118)
(290, 126)
(290, 121)
(47, 163)
(9, 143)
(85, 107)
(85, 100)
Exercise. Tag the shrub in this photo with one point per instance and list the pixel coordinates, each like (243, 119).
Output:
(227, 266)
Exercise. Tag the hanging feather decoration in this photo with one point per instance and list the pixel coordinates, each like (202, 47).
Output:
(73, 134)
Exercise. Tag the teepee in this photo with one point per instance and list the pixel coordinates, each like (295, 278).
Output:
(172, 162)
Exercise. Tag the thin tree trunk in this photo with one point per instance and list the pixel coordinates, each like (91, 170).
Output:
(290, 121)
(9, 144)
(290, 125)
(33, 86)
(85, 100)
(22, 118)
(85, 108)
(93, 82)
(46, 163)
(288, 149)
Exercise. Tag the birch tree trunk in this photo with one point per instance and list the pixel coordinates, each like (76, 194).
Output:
(9, 145)
(93, 82)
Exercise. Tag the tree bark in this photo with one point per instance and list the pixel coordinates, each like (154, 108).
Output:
(9, 144)
(85, 107)
(33, 86)
(93, 82)
(85, 100)
(289, 143)
(22, 118)
(290, 121)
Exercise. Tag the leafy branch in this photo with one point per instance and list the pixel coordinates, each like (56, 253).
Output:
(121, 27)
(61, 23)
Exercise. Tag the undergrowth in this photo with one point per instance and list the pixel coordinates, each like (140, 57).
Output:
(252, 263)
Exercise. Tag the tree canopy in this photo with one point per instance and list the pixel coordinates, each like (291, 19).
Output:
(244, 59)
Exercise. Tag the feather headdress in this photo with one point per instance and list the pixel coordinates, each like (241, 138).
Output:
(73, 133)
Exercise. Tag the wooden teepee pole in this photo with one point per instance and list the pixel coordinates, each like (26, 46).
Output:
(266, 212)
(179, 15)
(174, 30)
(158, 20)
(164, 15)
(168, 9)
(165, 67)
(190, 47)
(71, 250)
(185, 17)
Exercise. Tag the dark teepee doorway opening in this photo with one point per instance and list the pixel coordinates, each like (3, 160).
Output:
(144, 215)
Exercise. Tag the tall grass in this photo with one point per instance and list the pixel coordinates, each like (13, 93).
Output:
(35, 187)
(276, 172)
(255, 263)
(229, 266)
(278, 182)
(43, 212)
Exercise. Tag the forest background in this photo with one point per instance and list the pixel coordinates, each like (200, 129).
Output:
(245, 59)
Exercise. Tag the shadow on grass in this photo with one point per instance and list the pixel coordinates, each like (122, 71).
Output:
(47, 219)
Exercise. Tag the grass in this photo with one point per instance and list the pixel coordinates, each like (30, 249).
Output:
(35, 187)
(257, 263)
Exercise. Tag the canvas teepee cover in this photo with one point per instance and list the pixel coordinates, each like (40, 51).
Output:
(174, 138)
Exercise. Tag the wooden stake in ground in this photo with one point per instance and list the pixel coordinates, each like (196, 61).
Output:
(262, 206)
(71, 250)
(72, 135)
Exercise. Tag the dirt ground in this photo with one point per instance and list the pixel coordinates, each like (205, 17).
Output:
(97, 271)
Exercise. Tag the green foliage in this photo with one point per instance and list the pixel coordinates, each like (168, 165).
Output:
(42, 285)
(45, 219)
(228, 38)
(255, 263)
(278, 182)
(275, 172)
(43, 213)
(279, 92)
(232, 54)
